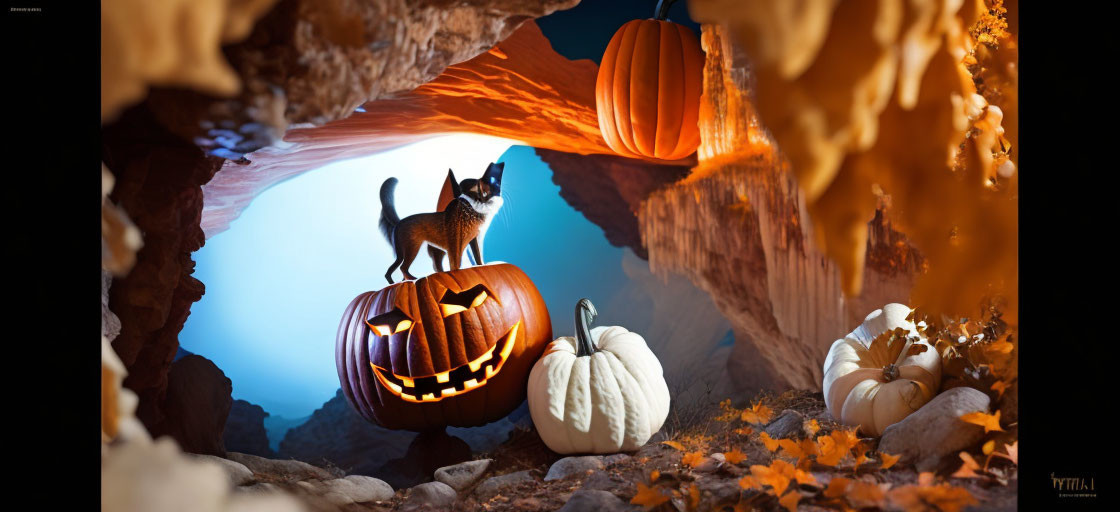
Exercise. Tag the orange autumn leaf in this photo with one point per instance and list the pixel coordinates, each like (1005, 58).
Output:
(837, 487)
(925, 478)
(915, 498)
(693, 497)
(654, 475)
(734, 456)
(744, 431)
(988, 447)
(888, 460)
(789, 501)
(968, 468)
(771, 444)
(748, 482)
(769, 476)
(1013, 452)
(865, 494)
(692, 459)
(812, 427)
(758, 413)
(999, 386)
(860, 455)
(674, 444)
(990, 422)
(649, 497)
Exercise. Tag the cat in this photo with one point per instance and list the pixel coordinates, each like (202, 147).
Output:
(463, 222)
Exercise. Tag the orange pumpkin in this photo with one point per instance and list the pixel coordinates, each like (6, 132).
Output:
(647, 93)
(451, 349)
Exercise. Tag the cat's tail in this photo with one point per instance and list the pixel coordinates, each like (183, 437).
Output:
(389, 219)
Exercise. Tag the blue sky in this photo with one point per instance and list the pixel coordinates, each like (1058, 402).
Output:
(278, 279)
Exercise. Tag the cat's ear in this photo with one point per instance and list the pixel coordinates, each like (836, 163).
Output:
(493, 174)
(456, 191)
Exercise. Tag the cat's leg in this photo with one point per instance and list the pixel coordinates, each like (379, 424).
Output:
(455, 255)
(437, 257)
(476, 251)
(409, 256)
(396, 263)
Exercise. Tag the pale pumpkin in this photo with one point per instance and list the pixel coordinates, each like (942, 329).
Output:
(881, 372)
(600, 392)
(647, 92)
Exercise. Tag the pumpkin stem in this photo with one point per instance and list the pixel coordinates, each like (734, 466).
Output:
(585, 312)
(661, 12)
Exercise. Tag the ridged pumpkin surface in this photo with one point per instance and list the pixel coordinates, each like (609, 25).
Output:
(647, 93)
(437, 342)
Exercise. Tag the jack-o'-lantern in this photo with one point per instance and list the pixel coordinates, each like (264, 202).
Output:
(647, 93)
(451, 349)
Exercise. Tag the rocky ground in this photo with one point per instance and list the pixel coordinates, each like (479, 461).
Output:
(725, 457)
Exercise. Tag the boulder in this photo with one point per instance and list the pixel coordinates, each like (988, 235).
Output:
(935, 430)
(596, 501)
(573, 465)
(462, 475)
(245, 432)
(350, 489)
(284, 469)
(436, 495)
(788, 425)
(237, 472)
(496, 484)
(197, 405)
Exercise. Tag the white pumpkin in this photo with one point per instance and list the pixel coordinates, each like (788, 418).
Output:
(600, 392)
(876, 386)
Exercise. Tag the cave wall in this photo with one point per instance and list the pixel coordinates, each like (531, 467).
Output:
(738, 227)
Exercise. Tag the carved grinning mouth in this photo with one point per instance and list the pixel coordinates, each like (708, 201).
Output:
(459, 380)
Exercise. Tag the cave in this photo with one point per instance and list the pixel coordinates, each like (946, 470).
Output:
(240, 216)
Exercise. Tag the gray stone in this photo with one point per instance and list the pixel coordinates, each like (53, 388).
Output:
(572, 465)
(788, 425)
(496, 484)
(237, 472)
(462, 475)
(432, 494)
(935, 430)
(259, 488)
(615, 459)
(711, 464)
(287, 469)
(350, 489)
(597, 501)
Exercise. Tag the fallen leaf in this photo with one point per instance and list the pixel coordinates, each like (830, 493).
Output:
(865, 494)
(968, 468)
(649, 497)
(734, 456)
(988, 447)
(1013, 452)
(744, 431)
(999, 386)
(789, 501)
(915, 498)
(925, 478)
(674, 444)
(990, 422)
(837, 487)
(770, 476)
(771, 444)
(748, 482)
(693, 497)
(888, 460)
(812, 427)
(692, 459)
(654, 475)
(758, 414)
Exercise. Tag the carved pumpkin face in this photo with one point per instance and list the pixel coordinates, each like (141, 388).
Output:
(451, 349)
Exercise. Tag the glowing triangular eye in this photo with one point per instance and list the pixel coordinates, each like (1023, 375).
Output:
(381, 330)
(404, 324)
(451, 309)
(479, 299)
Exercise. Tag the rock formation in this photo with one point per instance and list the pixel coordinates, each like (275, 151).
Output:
(739, 228)
(315, 61)
(245, 432)
(520, 90)
(196, 406)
